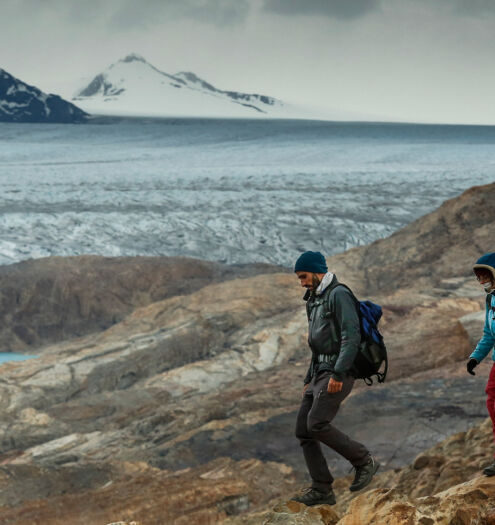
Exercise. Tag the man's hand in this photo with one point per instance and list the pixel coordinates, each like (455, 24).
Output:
(334, 386)
(304, 389)
(471, 365)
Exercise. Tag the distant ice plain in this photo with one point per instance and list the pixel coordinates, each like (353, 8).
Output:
(236, 191)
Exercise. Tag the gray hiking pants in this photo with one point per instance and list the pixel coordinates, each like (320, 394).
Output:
(313, 427)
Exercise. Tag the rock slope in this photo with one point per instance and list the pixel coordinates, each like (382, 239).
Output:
(434, 250)
(20, 102)
(54, 299)
(442, 486)
(215, 372)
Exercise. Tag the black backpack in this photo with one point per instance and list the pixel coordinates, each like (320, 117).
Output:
(372, 352)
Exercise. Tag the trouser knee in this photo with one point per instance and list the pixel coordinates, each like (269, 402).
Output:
(302, 433)
(316, 427)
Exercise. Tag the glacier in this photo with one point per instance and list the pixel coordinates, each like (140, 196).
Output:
(227, 190)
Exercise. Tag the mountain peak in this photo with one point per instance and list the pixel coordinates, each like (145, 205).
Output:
(133, 57)
(128, 88)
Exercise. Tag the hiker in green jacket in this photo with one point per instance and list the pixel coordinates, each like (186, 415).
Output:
(334, 341)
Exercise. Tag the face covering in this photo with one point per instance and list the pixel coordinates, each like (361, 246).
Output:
(488, 287)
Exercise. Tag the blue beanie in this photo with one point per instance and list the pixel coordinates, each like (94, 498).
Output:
(486, 262)
(311, 262)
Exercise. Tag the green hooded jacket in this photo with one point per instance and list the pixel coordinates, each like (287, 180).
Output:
(333, 329)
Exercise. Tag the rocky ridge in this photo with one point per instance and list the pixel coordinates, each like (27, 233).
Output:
(442, 486)
(435, 251)
(55, 299)
(187, 381)
(20, 102)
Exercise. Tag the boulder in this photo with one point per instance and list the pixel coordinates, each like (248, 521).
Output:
(463, 504)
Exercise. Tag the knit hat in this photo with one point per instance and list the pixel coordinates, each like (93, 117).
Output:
(486, 262)
(311, 262)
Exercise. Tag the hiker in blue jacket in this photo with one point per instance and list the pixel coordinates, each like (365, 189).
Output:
(334, 341)
(484, 270)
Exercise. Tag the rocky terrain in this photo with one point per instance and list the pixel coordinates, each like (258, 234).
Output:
(181, 408)
(53, 299)
(442, 485)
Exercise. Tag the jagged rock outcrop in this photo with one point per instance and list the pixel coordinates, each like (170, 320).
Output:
(133, 364)
(20, 102)
(464, 504)
(428, 252)
(457, 459)
(59, 298)
(443, 485)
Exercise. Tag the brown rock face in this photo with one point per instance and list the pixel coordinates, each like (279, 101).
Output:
(456, 460)
(442, 244)
(48, 300)
(293, 513)
(208, 495)
(464, 504)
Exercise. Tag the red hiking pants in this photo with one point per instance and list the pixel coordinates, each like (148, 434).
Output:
(490, 400)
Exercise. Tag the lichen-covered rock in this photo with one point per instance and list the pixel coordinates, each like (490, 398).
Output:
(289, 513)
(464, 504)
(124, 523)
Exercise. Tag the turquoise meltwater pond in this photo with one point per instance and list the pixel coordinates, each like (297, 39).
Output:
(10, 356)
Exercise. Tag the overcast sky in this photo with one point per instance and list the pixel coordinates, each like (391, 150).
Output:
(416, 60)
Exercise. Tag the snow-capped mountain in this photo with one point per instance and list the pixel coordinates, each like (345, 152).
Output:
(132, 86)
(20, 102)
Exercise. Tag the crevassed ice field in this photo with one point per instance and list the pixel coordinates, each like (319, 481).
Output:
(228, 190)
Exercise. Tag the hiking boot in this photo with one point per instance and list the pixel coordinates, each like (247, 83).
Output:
(364, 474)
(315, 497)
(490, 470)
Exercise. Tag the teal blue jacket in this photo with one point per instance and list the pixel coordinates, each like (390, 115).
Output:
(488, 340)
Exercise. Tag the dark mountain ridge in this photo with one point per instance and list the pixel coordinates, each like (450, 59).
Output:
(21, 102)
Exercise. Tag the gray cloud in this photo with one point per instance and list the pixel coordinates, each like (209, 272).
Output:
(218, 12)
(341, 9)
(126, 14)
(472, 8)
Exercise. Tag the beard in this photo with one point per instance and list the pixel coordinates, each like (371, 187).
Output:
(315, 282)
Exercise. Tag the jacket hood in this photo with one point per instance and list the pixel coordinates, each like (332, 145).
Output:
(486, 262)
(327, 280)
